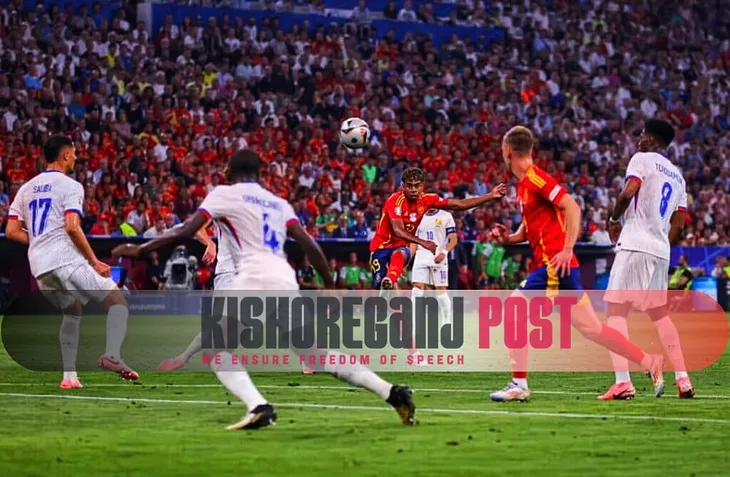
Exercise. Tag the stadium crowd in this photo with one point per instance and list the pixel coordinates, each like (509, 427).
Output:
(155, 117)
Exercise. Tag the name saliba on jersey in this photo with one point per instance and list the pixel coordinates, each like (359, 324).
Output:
(281, 323)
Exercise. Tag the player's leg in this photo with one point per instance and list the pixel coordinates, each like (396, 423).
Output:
(666, 330)
(440, 281)
(421, 282)
(399, 258)
(221, 281)
(89, 285)
(517, 389)
(234, 376)
(54, 290)
(623, 278)
(585, 320)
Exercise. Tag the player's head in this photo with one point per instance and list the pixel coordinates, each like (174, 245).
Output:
(244, 165)
(413, 180)
(657, 135)
(60, 150)
(517, 144)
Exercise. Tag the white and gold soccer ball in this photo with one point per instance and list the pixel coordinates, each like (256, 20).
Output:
(354, 133)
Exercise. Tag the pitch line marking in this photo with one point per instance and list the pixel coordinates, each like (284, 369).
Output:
(626, 417)
(311, 387)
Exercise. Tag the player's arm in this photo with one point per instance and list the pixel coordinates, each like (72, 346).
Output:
(625, 197)
(676, 225)
(210, 247)
(15, 231)
(399, 231)
(312, 250)
(503, 235)
(466, 204)
(72, 224)
(176, 235)
(634, 178)
(571, 209)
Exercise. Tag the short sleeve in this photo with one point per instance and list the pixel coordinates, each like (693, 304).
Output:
(635, 170)
(73, 202)
(682, 204)
(433, 200)
(214, 204)
(17, 207)
(544, 185)
(288, 214)
(450, 225)
(392, 209)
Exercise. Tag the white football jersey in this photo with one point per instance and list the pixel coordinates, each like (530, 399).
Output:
(663, 191)
(42, 203)
(252, 224)
(434, 228)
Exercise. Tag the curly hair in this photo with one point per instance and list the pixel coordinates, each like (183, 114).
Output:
(413, 174)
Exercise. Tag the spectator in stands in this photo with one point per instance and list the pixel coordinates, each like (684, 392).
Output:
(352, 275)
(307, 276)
(155, 231)
(391, 10)
(138, 218)
(721, 270)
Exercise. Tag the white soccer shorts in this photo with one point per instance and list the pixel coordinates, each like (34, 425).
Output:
(67, 284)
(223, 281)
(638, 278)
(436, 276)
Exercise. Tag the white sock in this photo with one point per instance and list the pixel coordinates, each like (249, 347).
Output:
(69, 338)
(235, 378)
(415, 293)
(444, 307)
(521, 382)
(193, 347)
(670, 340)
(620, 364)
(116, 329)
(357, 375)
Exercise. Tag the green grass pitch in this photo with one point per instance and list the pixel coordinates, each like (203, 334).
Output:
(173, 425)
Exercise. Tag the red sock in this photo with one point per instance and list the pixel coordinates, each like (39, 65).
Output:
(395, 267)
(614, 341)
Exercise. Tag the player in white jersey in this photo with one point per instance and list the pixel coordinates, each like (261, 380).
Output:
(260, 223)
(46, 215)
(653, 206)
(431, 270)
(225, 271)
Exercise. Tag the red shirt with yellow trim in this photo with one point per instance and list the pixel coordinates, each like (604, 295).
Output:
(411, 213)
(539, 194)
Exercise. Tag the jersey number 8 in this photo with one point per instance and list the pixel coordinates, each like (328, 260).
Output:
(666, 195)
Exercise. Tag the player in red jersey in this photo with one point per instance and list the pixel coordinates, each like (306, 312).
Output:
(402, 213)
(551, 223)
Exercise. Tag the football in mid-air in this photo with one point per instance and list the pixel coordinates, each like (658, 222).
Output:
(354, 133)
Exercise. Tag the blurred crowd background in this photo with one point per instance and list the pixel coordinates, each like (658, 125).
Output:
(156, 115)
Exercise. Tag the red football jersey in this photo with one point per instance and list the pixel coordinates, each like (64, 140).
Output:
(397, 207)
(539, 194)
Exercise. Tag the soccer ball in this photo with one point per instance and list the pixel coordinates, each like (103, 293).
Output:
(354, 133)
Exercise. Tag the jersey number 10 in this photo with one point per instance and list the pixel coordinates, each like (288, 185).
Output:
(39, 207)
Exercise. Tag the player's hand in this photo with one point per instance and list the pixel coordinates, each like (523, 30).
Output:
(439, 258)
(614, 231)
(561, 262)
(430, 246)
(500, 233)
(126, 250)
(498, 192)
(210, 254)
(102, 268)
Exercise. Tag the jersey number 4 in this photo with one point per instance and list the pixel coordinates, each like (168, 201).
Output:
(270, 239)
(666, 195)
(39, 209)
